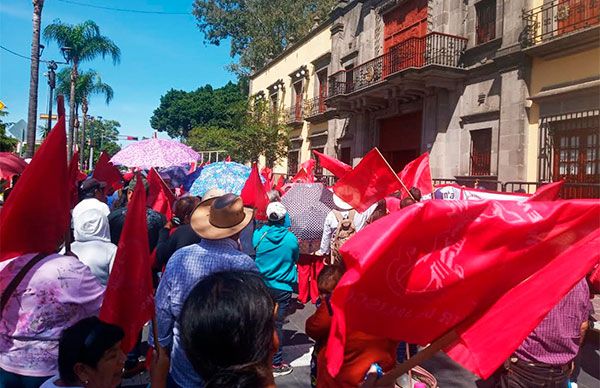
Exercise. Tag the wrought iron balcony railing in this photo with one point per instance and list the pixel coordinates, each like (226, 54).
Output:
(559, 17)
(315, 106)
(294, 115)
(433, 49)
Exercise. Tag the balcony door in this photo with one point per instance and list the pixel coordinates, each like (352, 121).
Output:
(400, 139)
(404, 30)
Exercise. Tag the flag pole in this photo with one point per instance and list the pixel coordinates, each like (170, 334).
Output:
(389, 379)
(396, 175)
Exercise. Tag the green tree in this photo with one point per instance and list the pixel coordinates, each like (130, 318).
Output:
(102, 136)
(258, 29)
(85, 43)
(7, 143)
(259, 132)
(180, 111)
(88, 84)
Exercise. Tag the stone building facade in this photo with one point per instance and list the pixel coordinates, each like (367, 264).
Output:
(460, 79)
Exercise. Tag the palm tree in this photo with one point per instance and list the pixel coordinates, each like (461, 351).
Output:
(34, 77)
(85, 43)
(88, 83)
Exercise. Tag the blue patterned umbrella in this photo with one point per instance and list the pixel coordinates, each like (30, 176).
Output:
(227, 176)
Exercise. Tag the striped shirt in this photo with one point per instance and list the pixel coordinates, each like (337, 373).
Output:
(556, 339)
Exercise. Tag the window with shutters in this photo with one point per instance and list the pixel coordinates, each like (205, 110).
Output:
(486, 21)
(481, 152)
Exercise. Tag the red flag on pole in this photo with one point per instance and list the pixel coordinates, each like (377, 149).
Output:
(473, 270)
(228, 158)
(254, 195)
(547, 192)
(370, 181)
(280, 183)
(301, 177)
(160, 196)
(106, 172)
(417, 174)
(336, 167)
(36, 215)
(129, 302)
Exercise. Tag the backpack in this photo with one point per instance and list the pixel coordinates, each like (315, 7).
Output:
(344, 231)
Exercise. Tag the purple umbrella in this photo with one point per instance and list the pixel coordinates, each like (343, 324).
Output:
(155, 153)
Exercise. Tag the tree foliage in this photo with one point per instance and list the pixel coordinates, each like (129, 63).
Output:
(104, 137)
(180, 111)
(7, 143)
(257, 29)
(260, 133)
(88, 83)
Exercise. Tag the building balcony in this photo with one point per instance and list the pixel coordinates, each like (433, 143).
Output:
(561, 25)
(294, 115)
(436, 55)
(316, 110)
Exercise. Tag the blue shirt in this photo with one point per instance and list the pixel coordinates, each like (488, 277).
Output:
(186, 267)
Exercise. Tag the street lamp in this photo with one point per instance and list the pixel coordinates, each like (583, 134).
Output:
(52, 66)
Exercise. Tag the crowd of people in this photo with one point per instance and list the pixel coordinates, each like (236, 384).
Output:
(225, 283)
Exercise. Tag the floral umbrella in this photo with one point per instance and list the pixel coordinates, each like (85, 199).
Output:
(11, 164)
(155, 153)
(227, 176)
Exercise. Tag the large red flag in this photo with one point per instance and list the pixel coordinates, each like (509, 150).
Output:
(106, 172)
(254, 195)
(547, 192)
(129, 302)
(36, 215)
(473, 271)
(370, 181)
(336, 167)
(160, 196)
(417, 174)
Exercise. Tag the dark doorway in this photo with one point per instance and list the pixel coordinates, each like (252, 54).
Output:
(400, 139)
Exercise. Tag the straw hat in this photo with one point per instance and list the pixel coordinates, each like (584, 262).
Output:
(340, 204)
(220, 217)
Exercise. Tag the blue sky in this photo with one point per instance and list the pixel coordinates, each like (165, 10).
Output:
(158, 52)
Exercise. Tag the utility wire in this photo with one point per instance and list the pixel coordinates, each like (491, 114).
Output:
(124, 9)
(19, 55)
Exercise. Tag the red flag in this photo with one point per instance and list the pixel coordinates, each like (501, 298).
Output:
(106, 172)
(128, 302)
(193, 167)
(254, 194)
(302, 177)
(36, 215)
(280, 183)
(337, 167)
(160, 196)
(417, 174)
(370, 181)
(476, 267)
(547, 192)
(228, 158)
(309, 168)
(267, 173)
(595, 278)
(75, 176)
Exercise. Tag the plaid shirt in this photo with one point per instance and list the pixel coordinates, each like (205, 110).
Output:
(556, 339)
(186, 267)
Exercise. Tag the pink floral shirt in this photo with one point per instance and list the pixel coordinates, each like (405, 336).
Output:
(56, 293)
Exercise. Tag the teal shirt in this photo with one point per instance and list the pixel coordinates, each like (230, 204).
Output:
(276, 256)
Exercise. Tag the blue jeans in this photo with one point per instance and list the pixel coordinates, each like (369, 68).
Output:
(13, 380)
(282, 298)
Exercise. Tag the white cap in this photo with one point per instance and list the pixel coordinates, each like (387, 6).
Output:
(276, 211)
